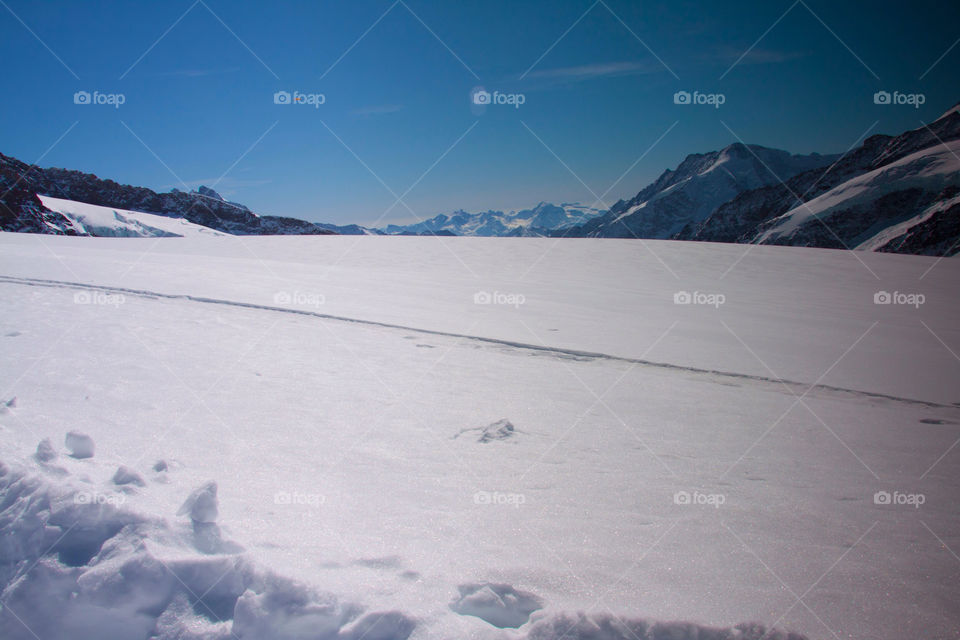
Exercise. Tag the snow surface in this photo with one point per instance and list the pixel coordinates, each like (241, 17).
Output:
(109, 222)
(444, 465)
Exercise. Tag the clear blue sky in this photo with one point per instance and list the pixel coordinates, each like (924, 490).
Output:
(199, 80)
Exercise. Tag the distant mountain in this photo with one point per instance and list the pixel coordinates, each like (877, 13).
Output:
(542, 220)
(894, 194)
(22, 210)
(691, 192)
(349, 229)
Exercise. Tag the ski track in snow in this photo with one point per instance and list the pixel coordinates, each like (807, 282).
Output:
(792, 387)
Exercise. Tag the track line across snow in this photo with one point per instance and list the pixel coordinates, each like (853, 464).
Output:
(802, 388)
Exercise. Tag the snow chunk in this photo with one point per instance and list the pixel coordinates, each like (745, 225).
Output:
(126, 475)
(285, 610)
(179, 621)
(383, 625)
(79, 444)
(499, 430)
(202, 504)
(45, 451)
(499, 604)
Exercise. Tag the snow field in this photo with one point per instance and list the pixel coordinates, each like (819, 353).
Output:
(363, 469)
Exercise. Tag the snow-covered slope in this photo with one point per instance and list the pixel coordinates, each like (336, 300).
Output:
(753, 215)
(898, 234)
(700, 184)
(94, 220)
(863, 209)
(450, 437)
(540, 220)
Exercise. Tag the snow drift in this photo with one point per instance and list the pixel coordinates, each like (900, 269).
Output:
(77, 562)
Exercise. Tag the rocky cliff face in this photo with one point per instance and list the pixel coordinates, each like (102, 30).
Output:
(21, 210)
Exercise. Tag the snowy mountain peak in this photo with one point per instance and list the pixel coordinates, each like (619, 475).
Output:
(210, 193)
(738, 149)
(700, 183)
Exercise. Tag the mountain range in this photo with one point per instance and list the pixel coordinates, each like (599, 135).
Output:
(892, 193)
(541, 220)
(895, 194)
(22, 210)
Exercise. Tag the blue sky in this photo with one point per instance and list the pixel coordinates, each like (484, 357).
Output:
(597, 81)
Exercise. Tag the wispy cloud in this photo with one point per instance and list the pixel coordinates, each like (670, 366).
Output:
(196, 73)
(584, 72)
(377, 110)
(728, 54)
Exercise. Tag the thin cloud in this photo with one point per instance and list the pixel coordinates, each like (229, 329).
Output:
(581, 73)
(728, 55)
(196, 73)
(377, 110)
